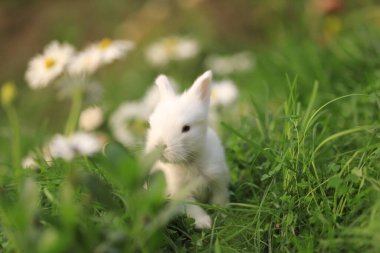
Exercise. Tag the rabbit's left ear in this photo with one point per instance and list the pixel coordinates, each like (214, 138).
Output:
(165, 88)
(202, 86)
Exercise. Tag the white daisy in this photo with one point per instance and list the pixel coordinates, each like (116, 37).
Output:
(186, 48)
(156, 55)
(171, 48)
(45, 67)
(91, 118)
(60, 147)
(98, 54)
(29, 163)
(85, 143)
(128, 123)
(223, 93)
(111, 50)
(85, 62)
(79, 143)
(243, 61)
(225, 65)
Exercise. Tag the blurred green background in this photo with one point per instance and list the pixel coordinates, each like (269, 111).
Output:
(277, 28)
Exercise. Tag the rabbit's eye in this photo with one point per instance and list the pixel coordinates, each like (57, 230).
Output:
(185, 128)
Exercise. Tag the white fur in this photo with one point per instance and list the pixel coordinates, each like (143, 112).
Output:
(193, 156)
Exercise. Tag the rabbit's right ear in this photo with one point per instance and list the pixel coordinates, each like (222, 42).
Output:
(164, 87)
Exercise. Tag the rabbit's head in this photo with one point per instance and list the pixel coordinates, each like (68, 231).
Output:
(179, 122)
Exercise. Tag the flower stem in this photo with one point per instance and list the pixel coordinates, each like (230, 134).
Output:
(15, 136)
(74, 111)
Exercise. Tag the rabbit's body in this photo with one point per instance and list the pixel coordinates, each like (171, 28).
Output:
(208, 170)
(192, 152)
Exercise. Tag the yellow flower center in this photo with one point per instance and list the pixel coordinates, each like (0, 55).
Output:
(104, 43)
(137, 126)
(8, 93)
(49, 62)
(213, 95)
(170, 44)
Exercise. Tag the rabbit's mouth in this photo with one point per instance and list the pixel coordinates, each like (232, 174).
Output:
(187, 158)
(164, 159)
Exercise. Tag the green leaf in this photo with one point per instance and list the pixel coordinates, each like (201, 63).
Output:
(334, 182)
(217, 248)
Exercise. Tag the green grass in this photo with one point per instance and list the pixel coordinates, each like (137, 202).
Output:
(305, 168)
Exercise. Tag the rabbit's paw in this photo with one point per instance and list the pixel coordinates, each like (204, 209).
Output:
(203, 222)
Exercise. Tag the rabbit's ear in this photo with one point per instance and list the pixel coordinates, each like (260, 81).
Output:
(165, 88)
(202, 86)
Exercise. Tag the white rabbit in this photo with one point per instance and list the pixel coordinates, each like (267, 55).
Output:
(192, 152)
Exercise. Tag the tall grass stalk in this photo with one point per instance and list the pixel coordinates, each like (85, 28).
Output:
(75, 110)
(15, 136)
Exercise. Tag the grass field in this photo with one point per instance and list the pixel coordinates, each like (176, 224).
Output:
(302, 143)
